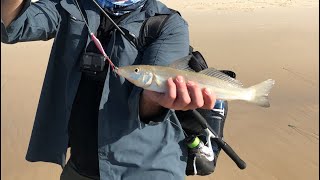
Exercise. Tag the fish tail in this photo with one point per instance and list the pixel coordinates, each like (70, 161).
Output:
(261, 92)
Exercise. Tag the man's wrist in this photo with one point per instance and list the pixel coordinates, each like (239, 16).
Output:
(149, 108)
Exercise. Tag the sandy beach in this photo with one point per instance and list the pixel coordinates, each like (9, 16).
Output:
(275, 39)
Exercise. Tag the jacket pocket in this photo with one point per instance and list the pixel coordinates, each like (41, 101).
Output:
(72, 9)
(73, 19)
(72, 35)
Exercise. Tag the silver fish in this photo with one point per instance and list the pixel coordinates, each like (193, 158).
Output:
(225, 87)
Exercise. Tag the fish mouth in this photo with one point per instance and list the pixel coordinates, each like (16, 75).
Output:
(121, 72)
(116, 70)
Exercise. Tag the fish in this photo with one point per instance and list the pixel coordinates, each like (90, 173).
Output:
(154, 78)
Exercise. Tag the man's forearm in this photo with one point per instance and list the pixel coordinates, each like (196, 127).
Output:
(9, 10)
(149, 108)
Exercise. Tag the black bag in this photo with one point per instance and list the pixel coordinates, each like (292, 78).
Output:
(149, 32)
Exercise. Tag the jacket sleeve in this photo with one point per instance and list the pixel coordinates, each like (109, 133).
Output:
(172, 44)
(36, 21)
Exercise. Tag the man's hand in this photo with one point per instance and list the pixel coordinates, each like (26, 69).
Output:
(181, 95)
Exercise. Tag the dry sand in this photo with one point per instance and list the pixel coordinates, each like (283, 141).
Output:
(264, 39)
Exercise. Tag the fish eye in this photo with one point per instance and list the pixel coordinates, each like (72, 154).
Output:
(136, 70)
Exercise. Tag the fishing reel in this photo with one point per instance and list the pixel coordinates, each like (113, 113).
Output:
(201, 158)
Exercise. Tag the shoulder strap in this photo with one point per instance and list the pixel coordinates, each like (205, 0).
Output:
(151, 28)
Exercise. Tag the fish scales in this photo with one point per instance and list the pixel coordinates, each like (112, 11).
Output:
(222, 89)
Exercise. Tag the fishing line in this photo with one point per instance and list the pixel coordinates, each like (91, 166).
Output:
(95, 39)
(128, 35)
(110, 19)
(177, 126)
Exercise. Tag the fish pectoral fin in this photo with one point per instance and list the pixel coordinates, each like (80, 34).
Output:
(156, 80)
(220, 75)
(149, 82)
(146, 80)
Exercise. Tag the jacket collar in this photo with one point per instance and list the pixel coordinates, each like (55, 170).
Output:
(149, 9)
(134, 21)
(92, 13)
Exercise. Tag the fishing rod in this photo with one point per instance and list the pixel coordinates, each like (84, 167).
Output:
(129, 36)
(211, 134)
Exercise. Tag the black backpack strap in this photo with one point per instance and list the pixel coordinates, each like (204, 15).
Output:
(151, 29)
(197, 61)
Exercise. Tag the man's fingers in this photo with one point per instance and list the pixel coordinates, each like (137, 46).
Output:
(195, 95)
(164, 99)
(209, 99)
(170, 96)
(183, 98)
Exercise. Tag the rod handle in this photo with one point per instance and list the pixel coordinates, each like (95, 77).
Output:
(230, 152)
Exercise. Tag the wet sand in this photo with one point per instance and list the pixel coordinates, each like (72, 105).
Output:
(257, 40)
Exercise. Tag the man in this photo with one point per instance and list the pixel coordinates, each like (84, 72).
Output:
(115, 130)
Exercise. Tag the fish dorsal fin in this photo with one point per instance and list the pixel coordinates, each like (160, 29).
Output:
(220, 75)
(182, 64)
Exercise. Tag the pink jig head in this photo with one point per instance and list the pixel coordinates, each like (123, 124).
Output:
(99, 46)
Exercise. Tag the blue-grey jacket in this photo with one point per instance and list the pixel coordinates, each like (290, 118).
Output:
(128, 148)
